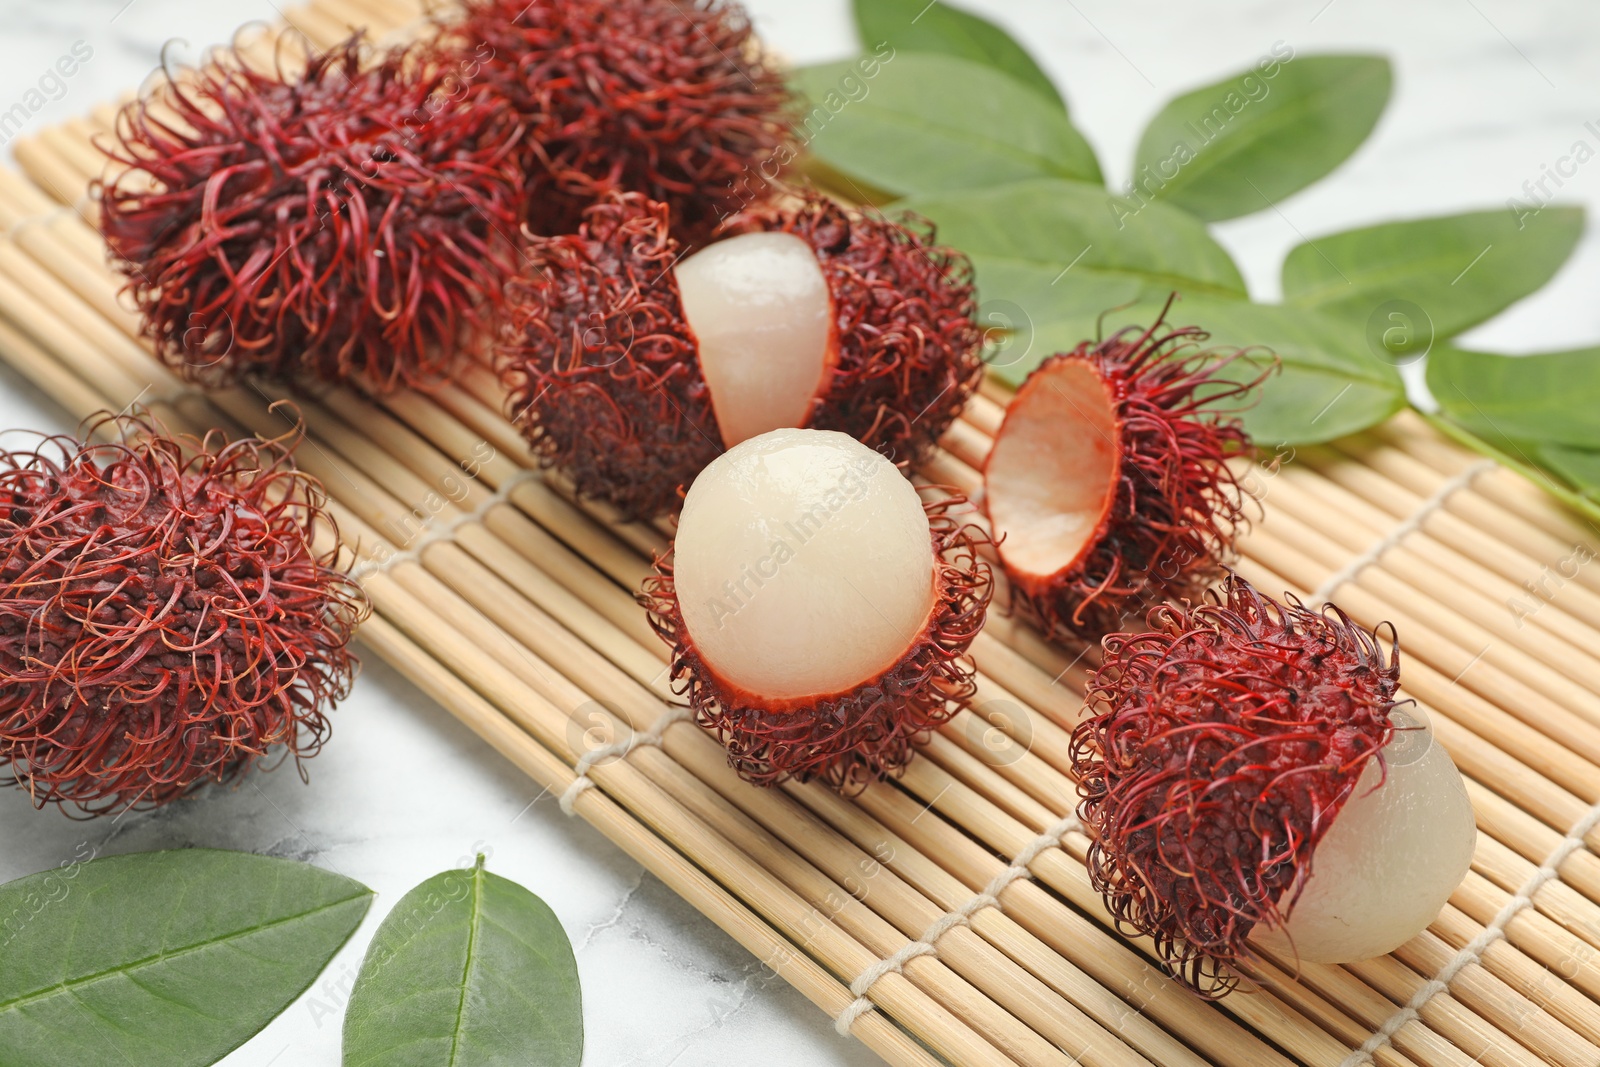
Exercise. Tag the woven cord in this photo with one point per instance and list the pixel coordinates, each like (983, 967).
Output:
(1473, 950)
(1411, 525)
(651, 737)
(960, 916)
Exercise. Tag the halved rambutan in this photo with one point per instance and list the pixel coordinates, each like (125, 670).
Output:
(630, 369)
(352, 217)
(1246, 772)
(1108, 486)
(819, 612)
(672, 100)
(164, 618)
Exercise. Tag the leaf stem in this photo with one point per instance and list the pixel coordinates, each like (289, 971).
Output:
(1589, 509)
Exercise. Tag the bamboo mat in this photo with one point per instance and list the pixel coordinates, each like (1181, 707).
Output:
(958, 891)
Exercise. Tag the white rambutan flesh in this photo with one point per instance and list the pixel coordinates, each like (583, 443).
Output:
(803, 565)
(1051, 476)
(1396, 851)
(759, 307)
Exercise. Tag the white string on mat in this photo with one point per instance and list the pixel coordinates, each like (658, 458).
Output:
(959, 916)
(653, 737)
(446, 530)
(1473, 950)
(1410, 525)
(46, 218)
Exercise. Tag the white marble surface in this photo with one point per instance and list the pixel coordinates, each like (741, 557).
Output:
(1488, 91)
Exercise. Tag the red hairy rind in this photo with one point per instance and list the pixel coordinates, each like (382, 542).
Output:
(1177, 508)
(1219, 749)
(600, 369)
(906, 316)
(671, 99)
(164, 618)
(351, 220)
(851, 739)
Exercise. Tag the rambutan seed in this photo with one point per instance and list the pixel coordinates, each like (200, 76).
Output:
(630, 367)
(350, 217)
(165, 620)
(819, 612)
(1248, 775)
(1108, 486)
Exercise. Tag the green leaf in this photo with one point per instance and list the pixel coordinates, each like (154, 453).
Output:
(1549, 398)
(918, 123)
(1330, 384)
(165, 959)
(1051, 256)
(920, 26)
(1081, 230)
(471, 970)
(1458, 269)
(1246, 142)
(1579, 466)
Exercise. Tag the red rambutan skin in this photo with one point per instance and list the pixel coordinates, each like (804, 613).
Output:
(847, 740)
(1176, 510)
(354, 220)
(670, 99)
(164, 618)
(603, 372)
(1219, 749)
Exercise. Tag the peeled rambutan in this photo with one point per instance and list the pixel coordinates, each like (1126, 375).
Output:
(164, 618)
(1108, 486)
(819, 612)
(1246, 772)
(672, 100)
(630, 370)
(353, 219)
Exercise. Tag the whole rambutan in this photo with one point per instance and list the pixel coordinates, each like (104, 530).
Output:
(630, 369)
(819, 612)
(164, 617)
(670, 99)
(1244, 775)
(1108, 485)
(354, 218)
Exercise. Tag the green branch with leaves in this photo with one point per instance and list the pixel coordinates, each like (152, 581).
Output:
(959, 124)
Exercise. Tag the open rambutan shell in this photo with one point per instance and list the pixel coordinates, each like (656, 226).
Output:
(1221, 752)
(606, 372)
(784, 710)
(164, 618)
(1108, 486)
(345, 216)
(672, 100)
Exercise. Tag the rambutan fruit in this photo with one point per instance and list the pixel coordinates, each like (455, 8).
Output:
(630, 370)
(1108, 486)
(353, 219)
(1247, 773)
(819, 612)
(672, 100)
(164, 617)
